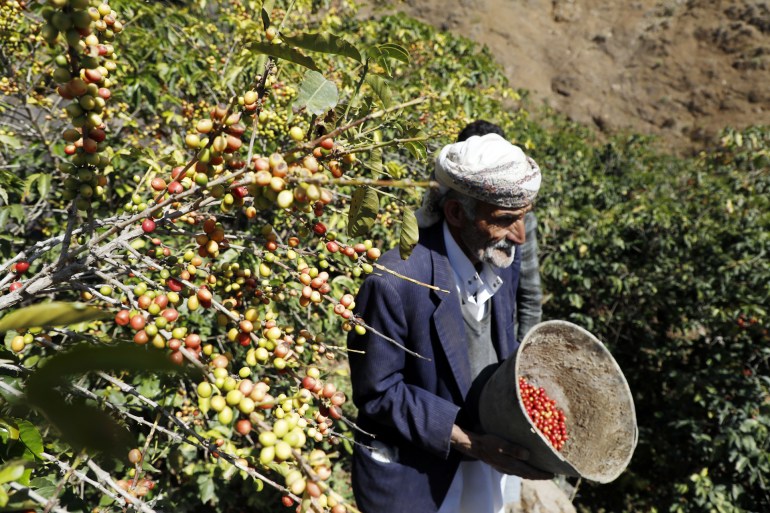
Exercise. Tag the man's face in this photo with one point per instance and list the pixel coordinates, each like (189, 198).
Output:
(491, 236)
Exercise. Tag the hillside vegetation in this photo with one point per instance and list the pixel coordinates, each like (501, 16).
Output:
(182, 219)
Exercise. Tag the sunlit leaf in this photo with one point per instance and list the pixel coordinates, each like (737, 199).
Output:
(394, 51)
(12, 471)
(206, 489)
(283, 52)
(374, 162)
(56, 313)
(323, 42)
(374, 53)
(416, 148)
(410, 233)
(316, 94)
(364, 207)
(381, 88)
(10, 141)
(44, 184)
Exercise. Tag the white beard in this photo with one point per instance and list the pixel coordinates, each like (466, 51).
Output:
(500, 253)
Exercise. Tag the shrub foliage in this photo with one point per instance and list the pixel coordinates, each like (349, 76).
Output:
(191, 192)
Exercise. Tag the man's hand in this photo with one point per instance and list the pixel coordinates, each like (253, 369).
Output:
(503, 456)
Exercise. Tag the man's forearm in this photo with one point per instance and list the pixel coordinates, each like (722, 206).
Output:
(505, 457)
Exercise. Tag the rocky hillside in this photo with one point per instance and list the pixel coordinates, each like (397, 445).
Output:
(683, 69)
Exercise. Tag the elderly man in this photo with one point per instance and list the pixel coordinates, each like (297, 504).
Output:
(420, 450)
(529, 296)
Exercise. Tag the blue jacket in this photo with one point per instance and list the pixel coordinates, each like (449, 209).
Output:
(411, 403)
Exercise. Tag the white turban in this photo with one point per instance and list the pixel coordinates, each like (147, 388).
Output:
(486, 168)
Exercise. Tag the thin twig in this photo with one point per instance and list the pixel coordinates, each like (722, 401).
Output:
(83, 477)
(106, 478)
(34, 495)
(394, 273)
(60, 486)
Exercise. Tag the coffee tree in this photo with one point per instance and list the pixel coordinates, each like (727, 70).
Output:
(211, 222)
(190, 193)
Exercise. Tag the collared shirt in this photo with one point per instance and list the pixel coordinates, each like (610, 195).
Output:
(475, 288)
(476, 486)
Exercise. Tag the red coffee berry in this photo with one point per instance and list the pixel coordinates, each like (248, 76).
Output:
(148, 225)
(122, 317)
(319, 228)
(174, 284)
(137, 322)
(21, 266)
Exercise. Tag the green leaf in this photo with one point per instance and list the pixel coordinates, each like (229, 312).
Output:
(84, 426)
(16, 211)
(375, 54)
(44, 185)
(382, 54)
(9, 140)
(55, 313)
(342, 284)
(207, 489)
(12, 471)
(323, 42)
(45, 485)
(283, 52)
(379, 85)
(85, 358)
(410, 233)
(29, 182)
(316, 94)
(395, 51)
(265, 17)
(374, 162)
(364, 207)
(30, 437)
(416, 148)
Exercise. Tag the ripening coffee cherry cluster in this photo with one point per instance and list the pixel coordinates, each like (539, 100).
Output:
(217, 141)
(240, 400)
(212, 240)
(155, 321)
(20, 342)
(314, 285)
(313, 491)
(133, 485)
(83, 74)
(544, 414)
(279, 183)
(354, 251)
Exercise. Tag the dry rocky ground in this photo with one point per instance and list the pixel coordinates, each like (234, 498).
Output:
(682, 69)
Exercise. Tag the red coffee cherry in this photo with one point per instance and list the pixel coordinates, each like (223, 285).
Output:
(148, 225)
(21, 266)
(545, 415)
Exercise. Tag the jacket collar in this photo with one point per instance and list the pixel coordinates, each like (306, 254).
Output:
(448, 318)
